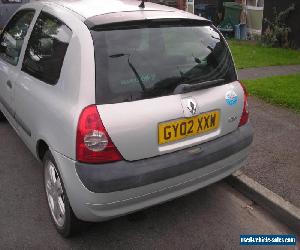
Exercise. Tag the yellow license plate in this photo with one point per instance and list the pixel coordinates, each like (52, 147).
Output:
(178, 129)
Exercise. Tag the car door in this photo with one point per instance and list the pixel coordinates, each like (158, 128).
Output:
(11, 44)
(36, 89)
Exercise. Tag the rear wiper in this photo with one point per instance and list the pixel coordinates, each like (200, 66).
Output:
(138, 77)
(185, 87)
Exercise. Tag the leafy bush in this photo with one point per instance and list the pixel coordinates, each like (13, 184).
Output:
(277, 32)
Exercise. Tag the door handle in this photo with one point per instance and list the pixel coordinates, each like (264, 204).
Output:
(9, 84)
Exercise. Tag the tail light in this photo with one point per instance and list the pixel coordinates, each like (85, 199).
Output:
(245, 114)
(93, 144)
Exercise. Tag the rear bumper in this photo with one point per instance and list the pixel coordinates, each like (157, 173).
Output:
(199, 170)
(122, 175)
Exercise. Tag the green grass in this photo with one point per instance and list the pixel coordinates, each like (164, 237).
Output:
(280, 90)
(250, 54)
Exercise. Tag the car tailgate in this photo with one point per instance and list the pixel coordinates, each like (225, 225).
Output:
(134, 126)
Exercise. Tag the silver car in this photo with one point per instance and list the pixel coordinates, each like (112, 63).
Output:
(127, 104)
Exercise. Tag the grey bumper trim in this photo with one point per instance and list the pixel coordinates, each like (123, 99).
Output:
(124, 175)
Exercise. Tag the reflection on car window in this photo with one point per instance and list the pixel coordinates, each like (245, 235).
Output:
(12, 38)
(11, 1)
(46, 49)
(155, 60)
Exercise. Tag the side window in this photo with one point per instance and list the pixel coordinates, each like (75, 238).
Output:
(12, 38)
(46, 49)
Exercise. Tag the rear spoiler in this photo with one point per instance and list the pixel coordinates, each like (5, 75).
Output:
(123, 20)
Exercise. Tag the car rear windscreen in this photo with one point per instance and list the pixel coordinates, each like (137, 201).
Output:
(141, 62)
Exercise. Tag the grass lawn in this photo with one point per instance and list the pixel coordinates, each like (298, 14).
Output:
(249, 54)
(280, 90)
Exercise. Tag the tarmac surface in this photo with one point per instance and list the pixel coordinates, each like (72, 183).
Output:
(274, 160)
(253, 73)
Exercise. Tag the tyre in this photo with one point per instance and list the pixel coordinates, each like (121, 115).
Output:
(61, 212)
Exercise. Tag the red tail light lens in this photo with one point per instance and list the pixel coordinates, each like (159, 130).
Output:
(93, 144)
(245, 114)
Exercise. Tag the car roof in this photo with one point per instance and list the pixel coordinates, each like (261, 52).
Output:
(90, 8)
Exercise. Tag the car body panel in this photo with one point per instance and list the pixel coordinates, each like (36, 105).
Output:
(8, 75)
(133, 126)
(90, 8)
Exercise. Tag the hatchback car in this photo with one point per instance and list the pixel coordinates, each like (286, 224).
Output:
(126, 105)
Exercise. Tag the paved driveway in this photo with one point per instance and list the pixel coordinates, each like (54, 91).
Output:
(275, 156)
(254, 73)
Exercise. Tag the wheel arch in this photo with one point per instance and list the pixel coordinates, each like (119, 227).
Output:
(41, 148)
